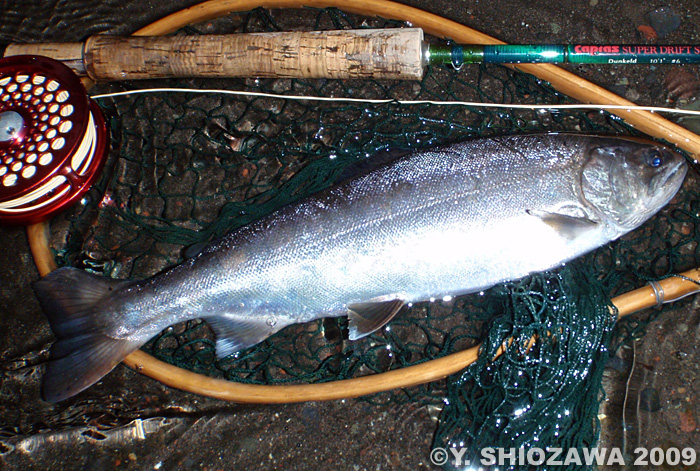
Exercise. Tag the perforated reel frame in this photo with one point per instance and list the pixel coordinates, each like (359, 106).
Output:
(58, 152)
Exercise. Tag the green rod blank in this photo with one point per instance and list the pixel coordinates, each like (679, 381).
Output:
(458, 55)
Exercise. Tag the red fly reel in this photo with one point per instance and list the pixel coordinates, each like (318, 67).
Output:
(53, 139)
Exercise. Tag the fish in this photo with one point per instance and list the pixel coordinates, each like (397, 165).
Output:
(434, 223)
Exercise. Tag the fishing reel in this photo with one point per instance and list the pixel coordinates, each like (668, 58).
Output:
(53, 139)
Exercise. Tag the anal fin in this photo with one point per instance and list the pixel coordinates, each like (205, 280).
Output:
(235, 332)
(365, 318)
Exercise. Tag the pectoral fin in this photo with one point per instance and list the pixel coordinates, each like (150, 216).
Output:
(568, 226)
(366, 318)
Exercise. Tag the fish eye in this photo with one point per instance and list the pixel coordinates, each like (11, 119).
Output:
(656, 159)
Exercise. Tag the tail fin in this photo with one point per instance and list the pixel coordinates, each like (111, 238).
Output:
(83, 353)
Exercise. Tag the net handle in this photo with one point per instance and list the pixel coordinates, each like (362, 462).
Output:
(428, 371)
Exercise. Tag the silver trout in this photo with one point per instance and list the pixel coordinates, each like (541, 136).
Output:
(435, 223)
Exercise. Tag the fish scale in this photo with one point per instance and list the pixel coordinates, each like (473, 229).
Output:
(434, 223)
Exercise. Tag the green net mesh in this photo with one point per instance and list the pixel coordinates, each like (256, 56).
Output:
(187, 168)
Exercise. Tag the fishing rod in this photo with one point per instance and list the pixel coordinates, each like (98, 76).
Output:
(398, 53)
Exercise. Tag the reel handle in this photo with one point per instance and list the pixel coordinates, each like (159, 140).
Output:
(346, 54)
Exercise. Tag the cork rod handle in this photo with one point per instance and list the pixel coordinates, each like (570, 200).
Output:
(348, 54)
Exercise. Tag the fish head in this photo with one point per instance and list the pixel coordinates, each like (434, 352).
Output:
(629, 180)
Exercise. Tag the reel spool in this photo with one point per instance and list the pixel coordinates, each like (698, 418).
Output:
(53, 139)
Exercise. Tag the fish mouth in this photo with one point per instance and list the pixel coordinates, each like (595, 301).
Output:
(668, 183)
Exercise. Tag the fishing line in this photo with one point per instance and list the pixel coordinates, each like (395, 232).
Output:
(653, 109)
